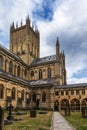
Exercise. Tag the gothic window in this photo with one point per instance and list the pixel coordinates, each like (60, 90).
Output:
(62, 92)
(1, 91)
(25, 72)
(22, 73)
(18, 71)
(56, 93)
(83, 91)
(1, 62)
(13, 93)
(32, 73)
(22, 94)
(67, 92)
(5, 65)
(34, 97)
(49, 73)
(40, 74)
(15, 70)
(10, 67)
(72, 92)
(77, 92)
(43, 97)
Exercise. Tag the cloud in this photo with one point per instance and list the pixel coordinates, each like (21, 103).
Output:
(66, 19)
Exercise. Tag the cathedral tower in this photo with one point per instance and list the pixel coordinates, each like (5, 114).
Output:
(24, 41)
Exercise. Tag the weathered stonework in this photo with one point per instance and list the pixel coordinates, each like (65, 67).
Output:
(28, 81)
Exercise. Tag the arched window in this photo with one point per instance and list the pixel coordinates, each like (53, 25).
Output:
(5, 65)
(1, 91)
(43, 97)
(32, 73)
(34, 97)
(13, 93)
(49, 73)
(18, 71)
(25, 72)
(10, 67)
(1, 62)
(22, 95)
(15, 70)
(40, 74)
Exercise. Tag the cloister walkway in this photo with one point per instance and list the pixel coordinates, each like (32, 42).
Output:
(60, 123)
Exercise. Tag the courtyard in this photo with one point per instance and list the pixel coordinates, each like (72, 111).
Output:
(40, 122)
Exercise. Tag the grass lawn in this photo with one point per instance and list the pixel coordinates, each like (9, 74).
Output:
(77, 121)
(41, 122)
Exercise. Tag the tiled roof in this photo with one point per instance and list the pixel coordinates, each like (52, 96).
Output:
(42, 81)
(71, 85)
(44, 59)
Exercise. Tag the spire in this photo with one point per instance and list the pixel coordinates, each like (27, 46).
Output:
(21, 22)
(57, 42)
(28, 20)
(57, 49)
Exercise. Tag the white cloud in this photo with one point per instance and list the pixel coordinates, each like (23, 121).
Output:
(69, 22)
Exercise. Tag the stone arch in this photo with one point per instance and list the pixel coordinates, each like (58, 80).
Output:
(75, 104)
(84, 102)
(56, 105)
(64, 103)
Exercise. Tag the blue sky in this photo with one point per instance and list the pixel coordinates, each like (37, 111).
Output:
(66, 19)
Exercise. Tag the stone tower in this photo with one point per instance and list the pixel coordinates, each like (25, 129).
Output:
(24, 41)
(60, 71)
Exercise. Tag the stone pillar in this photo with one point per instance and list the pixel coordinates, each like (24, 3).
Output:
(1, 118)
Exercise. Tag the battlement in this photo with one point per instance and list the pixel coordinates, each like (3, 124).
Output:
(20, 26)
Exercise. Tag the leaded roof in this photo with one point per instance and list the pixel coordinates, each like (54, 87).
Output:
(44, 60)
(71, 85)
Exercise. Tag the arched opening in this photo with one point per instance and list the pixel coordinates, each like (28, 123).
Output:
(34, 97)
(1, 62)
(43, 97)
(40, 74)
(6, 62)
(64, 104)
(10, 67)
(22, 95)
(13, 93)
(1, 91)
(84, 102)
(49, 73)
(56, 106)
(75, 105)
(32, 75)
(18, 71)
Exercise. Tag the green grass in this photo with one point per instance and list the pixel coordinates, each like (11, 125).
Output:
(77, 121)
(41, 122)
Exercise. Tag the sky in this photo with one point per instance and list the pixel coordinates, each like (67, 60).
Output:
(66, 19)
